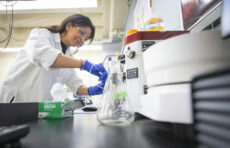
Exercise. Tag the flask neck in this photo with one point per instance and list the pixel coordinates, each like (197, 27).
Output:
(114, 67)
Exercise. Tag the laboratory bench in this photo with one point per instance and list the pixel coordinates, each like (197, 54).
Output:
(84, 131)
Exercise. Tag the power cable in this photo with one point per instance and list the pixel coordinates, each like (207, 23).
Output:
(10, 22)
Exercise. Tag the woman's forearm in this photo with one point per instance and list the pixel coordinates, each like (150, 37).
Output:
(63, 61)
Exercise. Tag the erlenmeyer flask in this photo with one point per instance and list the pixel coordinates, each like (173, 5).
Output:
(115, 107)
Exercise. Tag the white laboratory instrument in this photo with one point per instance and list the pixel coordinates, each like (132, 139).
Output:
(136, 44)
(167, 68)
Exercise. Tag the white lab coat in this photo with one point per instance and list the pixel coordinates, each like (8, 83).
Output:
(31, 78)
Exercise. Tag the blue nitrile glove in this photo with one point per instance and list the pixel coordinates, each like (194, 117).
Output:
(95, 69)
(103, 77)
(97, 89)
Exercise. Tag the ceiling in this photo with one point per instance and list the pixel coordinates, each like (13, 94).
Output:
(109, 18)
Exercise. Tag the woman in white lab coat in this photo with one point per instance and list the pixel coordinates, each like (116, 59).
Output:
(46, 59)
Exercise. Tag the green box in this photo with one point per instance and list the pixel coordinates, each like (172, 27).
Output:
(56, 109)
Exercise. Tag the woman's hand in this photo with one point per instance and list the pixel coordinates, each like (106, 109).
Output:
(96, 90)
(95, 69)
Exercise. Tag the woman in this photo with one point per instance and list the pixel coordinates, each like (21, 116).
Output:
(45, 60)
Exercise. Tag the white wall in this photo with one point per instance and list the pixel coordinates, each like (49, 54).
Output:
(111, 48)
(130, 17)
(6, 59)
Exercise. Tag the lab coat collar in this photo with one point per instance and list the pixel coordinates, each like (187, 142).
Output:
(57, 38)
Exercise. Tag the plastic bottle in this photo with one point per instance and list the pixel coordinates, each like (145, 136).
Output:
(154, 23)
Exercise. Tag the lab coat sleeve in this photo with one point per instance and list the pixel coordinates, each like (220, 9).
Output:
(74, 82)
(40, 48)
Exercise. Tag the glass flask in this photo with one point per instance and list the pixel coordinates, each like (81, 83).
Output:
(115, 108)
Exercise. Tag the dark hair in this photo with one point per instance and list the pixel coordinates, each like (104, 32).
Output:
(76, 20)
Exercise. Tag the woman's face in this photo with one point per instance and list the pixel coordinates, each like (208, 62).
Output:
(76, 35)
